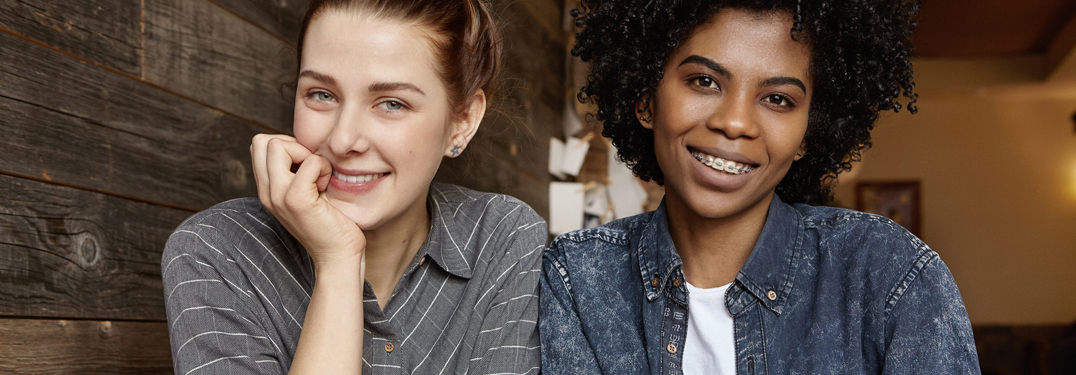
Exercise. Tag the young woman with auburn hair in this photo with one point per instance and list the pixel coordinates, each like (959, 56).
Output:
(351, 260)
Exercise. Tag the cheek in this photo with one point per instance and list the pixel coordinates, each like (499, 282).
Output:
(310, 130)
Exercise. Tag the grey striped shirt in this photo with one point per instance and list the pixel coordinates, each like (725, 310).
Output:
(237, 286)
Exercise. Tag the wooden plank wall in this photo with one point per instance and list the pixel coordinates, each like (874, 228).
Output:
(123, 117)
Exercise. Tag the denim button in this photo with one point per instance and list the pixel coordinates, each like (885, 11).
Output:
(654, 281)
(676, 281)
(671, 348)
(771, 295)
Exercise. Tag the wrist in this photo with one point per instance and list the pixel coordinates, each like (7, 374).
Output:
(348, 269)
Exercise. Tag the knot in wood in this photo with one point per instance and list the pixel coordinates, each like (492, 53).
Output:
(237, 173)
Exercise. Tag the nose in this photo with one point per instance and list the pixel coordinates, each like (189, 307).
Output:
(736, 116)
(350, 133)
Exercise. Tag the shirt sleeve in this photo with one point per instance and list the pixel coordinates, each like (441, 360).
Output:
(211, 325)
(565, 348)
(509, 333)
(927, 325)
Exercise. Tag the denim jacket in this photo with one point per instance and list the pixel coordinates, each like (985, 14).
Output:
(825, 291)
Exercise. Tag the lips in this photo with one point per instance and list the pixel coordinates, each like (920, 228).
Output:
(355, 181)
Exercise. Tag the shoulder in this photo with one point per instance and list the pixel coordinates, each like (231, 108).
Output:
(873, 246)
(475, 221)
(225, 230)
(481, 208)
(233, 214)
(616, 235)
(861, 233)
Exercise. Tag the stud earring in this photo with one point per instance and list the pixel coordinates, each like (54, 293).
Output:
(456, 150)
(646, 110)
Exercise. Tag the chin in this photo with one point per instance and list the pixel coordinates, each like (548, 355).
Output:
(366, 219)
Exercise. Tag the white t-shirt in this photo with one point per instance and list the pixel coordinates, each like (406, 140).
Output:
(710, 347)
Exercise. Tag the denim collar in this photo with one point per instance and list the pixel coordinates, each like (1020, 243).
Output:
(769, 267)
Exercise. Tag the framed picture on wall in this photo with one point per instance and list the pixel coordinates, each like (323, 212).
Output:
(896, 200)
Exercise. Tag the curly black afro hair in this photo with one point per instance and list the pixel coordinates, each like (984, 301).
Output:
(860, 52)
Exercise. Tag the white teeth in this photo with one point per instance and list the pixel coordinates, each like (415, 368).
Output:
(722, 164)
(355, 179)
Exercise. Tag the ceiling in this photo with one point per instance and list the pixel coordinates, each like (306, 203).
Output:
(992, 28)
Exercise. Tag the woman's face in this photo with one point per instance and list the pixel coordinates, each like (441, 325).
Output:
(370, 101)
(730, 113)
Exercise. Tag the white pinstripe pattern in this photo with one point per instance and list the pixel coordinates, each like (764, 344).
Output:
(254, 282)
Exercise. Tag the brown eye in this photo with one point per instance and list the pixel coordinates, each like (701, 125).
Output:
(706, 82)
(778, 100)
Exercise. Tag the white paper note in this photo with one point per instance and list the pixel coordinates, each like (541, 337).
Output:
(565, 207)
(574, 154)
(556, 157)
(625, 193)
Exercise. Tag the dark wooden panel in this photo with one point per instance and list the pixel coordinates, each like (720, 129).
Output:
(980, 28)
(78, 124)
(72, 253)
(103, 31)
(84, 347)
(201, 51)
(281, 17)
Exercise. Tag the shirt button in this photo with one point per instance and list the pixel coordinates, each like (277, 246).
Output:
(671, 348)
(389, 347)
(676, 281)
(654, 281)
(771, 295)
(420, 260)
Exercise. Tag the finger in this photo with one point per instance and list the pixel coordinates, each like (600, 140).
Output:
(280, 154)
(309, 176)
(258, 148)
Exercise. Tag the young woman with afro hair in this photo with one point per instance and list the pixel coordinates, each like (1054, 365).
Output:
(746, 111)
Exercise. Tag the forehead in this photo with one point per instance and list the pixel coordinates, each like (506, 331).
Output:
(749, 39)
(351, 44)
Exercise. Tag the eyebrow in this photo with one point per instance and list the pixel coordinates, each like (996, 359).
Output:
(394, 86)
(318, 76)
(713, 65)
(780, 81)
(710, 64)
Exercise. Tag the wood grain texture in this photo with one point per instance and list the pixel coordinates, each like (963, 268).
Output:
(103, 31)
(78, 124)
(84, 347)
(199, 50)
(72, 253)
(281, 17)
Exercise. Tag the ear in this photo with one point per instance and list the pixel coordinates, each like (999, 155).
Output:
(801, 152)
(466, 125)
(644, 112)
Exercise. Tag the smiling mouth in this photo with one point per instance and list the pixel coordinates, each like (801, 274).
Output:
(357, 179)
(723, 165)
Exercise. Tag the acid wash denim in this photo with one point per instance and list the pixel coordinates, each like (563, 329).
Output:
(825, 291)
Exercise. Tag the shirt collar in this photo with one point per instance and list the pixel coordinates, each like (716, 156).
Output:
(451, 224)
(771, 265)
(657, 255)
(768, 268)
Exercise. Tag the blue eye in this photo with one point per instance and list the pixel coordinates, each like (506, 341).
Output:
(393, 105)
(322, 96)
